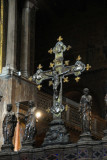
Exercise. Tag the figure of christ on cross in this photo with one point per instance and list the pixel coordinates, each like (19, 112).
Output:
(57, 74)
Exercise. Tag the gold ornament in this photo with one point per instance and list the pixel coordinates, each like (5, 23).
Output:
(77, 79)
(67, 63)
(79, 58)
(50, 51)
(51, 65)
(60, 39)
(69, 47)
(39, 87)
(40, 66)
(65, 80)
(88, 67)
(30, 78)
(48, 110)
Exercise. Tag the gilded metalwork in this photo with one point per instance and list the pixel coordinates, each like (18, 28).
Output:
(60, 39)
(88, 67)
(77, 79)
(69, 47)
(30, 78)
(1, 35)
(50, 51)
(51, 65)
(48, 110)
(40, 66)
(65, 80)
(58, 74)
(79, 58)
(39, 87)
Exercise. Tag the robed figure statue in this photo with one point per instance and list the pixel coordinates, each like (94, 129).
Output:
(85, 110)
(30, 128)
(9, 124)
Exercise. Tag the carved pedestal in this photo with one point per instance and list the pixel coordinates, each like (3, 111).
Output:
(105, 135)
(85, 146)
(104, 144)
(28, 145)
(57, 133)
(84, 137)
(7, 147)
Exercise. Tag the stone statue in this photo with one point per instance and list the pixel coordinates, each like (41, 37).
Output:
(85, 110)
(30, 129)
(9, 125)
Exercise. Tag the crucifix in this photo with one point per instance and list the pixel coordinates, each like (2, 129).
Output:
(58, 74)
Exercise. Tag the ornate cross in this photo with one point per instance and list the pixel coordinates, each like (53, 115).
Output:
(58, 74)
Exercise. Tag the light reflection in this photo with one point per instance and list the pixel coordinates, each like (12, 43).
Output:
(38, 114)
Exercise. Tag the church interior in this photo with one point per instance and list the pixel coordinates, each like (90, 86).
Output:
(29, 29)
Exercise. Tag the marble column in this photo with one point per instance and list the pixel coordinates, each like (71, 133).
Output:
(26, 37)
(11, 34)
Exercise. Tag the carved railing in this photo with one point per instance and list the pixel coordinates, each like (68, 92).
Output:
(71, 116)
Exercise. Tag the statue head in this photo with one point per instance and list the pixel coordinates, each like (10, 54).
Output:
(86, 91)
(9, 107)
(31, 104)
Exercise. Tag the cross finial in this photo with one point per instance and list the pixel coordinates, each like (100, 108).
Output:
(88, 67)
(48, 110)
(30, 78)
(40, 66)
(59, 72)
(50, 51)
(77, 79)
(39, 87)
(69, 47)
(66, 80)
(51, 65)
(60, 39)
(79, 58)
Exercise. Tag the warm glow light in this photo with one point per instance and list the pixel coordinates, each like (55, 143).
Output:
(38, 115)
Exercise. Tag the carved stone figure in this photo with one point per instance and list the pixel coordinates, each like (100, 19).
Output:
(9, 125)
(85, 110)
(30, 129)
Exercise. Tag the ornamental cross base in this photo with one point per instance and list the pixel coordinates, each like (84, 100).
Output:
(57, 133)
